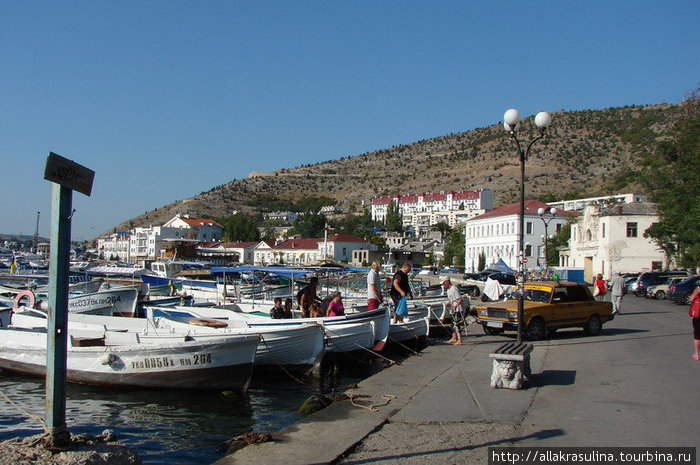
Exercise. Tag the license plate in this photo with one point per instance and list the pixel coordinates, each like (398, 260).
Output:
(495, 324)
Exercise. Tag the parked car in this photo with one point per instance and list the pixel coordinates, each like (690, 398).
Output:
(680, 292)
(548, 306)
(503, 278)
(656, 277)
(659, 291)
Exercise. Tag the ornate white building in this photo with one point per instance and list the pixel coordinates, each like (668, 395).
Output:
(609, 239)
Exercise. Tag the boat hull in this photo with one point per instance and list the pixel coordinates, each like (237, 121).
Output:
(225, 363)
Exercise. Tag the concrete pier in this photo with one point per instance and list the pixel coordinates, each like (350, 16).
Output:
(630, 386)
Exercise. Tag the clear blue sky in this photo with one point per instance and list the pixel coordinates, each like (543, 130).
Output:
(166, 99)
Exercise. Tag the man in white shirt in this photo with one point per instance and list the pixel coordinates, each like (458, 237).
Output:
(456, 303)
(374, 287)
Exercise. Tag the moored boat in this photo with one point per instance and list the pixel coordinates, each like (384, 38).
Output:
(110, 358)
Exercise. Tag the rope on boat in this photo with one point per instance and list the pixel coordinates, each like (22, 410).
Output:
(282, 367)
(30, 415)
(325, 328)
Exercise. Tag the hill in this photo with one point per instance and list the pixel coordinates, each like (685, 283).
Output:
(585, 153)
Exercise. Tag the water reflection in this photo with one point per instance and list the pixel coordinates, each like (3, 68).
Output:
(176, 427)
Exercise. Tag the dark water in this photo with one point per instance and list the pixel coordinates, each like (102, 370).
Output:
(177, 427)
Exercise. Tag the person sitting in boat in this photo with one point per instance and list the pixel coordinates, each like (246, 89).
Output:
(335, 306)
(277, 312)
(307, 296)
(287, 310)
(315, 310)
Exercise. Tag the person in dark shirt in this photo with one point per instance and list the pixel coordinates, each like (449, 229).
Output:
(307, 296)
(400, 287)
(287, 310)
(277, 312)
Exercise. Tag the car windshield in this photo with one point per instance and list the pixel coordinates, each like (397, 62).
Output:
(533, 295)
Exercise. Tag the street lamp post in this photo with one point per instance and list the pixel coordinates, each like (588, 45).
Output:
(511, 123)
(541, 211)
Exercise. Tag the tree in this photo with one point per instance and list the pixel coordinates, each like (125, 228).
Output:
(393, 221)
(453, 253)
(560, 239)
(309, 225)
(239, 227)
(671, 176)
(482, 262)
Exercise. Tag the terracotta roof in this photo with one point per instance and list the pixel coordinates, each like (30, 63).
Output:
(200, 221)
(305, 244)
(531, 207)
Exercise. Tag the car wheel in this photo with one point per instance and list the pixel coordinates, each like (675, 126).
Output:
(660, 295)
(594, 326)
(536, 330)
(686, 300)
(493, 331)
(551, 332)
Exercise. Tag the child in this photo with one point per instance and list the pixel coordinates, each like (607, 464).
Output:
(277, 311)
(287, 310)
(315, 310)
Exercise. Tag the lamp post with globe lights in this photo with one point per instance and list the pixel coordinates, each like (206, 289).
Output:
(542, 212)
(511, 123)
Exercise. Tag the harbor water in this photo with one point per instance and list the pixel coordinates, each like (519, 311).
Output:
(168, 427)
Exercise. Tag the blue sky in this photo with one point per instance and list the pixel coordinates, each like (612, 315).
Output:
(166, 99)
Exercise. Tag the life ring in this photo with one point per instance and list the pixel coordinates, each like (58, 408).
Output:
(208, 322)
(21, 295)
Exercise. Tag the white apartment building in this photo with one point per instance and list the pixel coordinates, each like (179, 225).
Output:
(609, 239)
(580, 204)
(423, 210)
(145, 242)
(114, 245)
(496, 235)
(200, 229)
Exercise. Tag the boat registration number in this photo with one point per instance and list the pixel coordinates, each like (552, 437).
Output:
(495, 324)
(167, 362)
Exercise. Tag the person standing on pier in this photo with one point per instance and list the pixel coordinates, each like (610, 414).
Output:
(456, 304)
(400, 290)
(374, 287)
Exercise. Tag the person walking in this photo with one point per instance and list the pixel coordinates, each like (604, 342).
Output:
(456, 304)
(696, 323)
(617, 290)
(600, 288)
(374, 287)
(400, 290)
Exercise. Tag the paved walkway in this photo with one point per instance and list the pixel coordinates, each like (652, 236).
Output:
(631, 386)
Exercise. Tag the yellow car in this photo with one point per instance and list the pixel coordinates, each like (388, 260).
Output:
(548, 306)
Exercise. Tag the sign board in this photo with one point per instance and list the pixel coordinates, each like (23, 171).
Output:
(69, 174)
(525, 260)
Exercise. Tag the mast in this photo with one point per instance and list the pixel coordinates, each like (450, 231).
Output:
(36, 233)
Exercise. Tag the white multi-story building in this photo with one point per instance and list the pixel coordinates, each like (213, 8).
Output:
(145, 242)
(200, 229)
(424, 210)
(496, 235)
(608, 239)
(114, 245)
(580, 204)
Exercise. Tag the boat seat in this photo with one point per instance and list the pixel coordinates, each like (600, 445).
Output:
(119, 338)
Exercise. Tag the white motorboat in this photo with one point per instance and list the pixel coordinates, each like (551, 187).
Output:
(112, 358)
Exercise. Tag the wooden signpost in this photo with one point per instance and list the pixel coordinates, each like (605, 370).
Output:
(66, 176)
